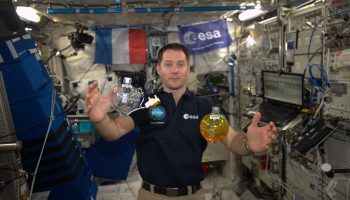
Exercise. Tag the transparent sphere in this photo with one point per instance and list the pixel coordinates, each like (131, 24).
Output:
(214, 127)
(126, 99)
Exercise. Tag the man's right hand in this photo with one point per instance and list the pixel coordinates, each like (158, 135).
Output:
(97, 105)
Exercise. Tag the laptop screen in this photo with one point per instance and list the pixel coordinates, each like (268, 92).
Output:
(284, 87)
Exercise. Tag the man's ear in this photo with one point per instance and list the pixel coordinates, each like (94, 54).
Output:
(158, 68)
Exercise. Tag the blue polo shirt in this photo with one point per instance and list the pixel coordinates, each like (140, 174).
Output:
(170, 146)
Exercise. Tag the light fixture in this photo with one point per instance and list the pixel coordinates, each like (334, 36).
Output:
(250, 13)
(28, 13)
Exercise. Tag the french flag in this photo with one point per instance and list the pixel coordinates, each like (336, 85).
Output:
(120, 46)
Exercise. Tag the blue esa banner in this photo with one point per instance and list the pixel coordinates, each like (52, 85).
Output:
(200, 38)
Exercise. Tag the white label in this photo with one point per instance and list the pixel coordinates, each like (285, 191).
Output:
(214, 117)
(125, 98)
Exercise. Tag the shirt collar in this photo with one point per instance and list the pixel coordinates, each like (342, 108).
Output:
(187, 93)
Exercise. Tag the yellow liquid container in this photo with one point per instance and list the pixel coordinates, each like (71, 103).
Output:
(214, 126)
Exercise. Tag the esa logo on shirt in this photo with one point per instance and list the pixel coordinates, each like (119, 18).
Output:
(187, 116)
(157, 113)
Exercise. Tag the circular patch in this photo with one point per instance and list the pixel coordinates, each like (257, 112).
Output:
(157, 113)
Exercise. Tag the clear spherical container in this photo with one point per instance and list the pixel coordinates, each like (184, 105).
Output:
(126, 98)
(214, 126)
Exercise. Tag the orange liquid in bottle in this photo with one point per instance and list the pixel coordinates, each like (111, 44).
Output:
(214, 126)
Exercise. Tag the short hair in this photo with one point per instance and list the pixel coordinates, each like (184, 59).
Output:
(176, 47)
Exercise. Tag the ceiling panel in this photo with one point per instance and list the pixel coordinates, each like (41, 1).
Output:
(129, 18)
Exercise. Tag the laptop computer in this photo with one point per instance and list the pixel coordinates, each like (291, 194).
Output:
(282, 95)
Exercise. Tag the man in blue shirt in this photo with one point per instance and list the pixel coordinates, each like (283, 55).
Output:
(170, 146)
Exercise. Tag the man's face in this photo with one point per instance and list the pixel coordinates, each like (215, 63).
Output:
(173, 70)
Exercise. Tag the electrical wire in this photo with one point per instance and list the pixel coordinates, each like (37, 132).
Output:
(337, 129)
(321, 142)
(314, 175)
(320, 88)
(307, 173)
(278, 181)
(81, 78)
(347, 187)
(143, 98)
(347, 190)
(55, 52)
(52, 118)
(316, 25)
(140, 107)
(136, 110)
(319, 107)
(325, 84)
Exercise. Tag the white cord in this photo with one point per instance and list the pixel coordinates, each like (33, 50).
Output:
(320, 106)
(307, 173)
(53, 102)
(337, 129)
(315, 174)
(347, 187)
(140, 107)
(136, 110)
(143, 98)
(280, 182)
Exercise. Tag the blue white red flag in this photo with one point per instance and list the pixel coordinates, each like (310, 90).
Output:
(120, 46)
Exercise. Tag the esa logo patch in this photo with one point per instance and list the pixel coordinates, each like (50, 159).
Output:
(157, 113)
(191, 37)
(187, 116)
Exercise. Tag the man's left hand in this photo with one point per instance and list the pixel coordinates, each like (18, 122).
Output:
(259, 138)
